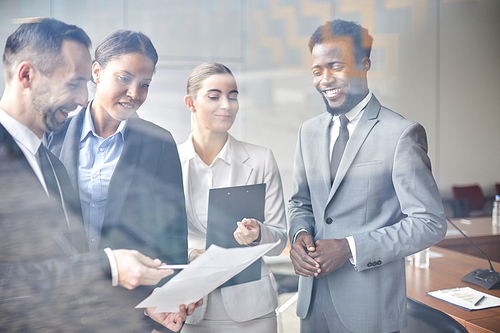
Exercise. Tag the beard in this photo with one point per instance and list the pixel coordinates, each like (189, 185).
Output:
(350, 101)
(40, 102)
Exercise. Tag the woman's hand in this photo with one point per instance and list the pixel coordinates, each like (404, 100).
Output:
(195, 254)
(247, 232)
(173, 320)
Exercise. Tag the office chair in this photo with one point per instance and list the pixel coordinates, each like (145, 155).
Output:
(473, 195)
(423, 318)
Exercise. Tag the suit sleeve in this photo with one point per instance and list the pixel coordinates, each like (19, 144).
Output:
(274, 226)
(300, 212)
(423, 222)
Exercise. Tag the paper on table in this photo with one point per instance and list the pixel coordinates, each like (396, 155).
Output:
(203, 275)
(467, 298)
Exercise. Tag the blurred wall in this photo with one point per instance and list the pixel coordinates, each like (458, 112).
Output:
(433, 61)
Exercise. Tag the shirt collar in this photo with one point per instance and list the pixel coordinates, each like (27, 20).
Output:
(22, 134)
(224, 154)
(88, 126)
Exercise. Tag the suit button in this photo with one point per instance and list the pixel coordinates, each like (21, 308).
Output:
(379, 262)
(369, 264)
(329, 220)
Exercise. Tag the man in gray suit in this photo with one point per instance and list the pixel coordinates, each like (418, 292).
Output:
(363, 195)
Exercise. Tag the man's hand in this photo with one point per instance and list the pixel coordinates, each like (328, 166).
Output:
(247, 232)
(172, 320)
(300, 254)
(136, 269)
(331, 254)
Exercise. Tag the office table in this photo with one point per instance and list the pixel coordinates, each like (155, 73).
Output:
(480, 230)
(445, 273)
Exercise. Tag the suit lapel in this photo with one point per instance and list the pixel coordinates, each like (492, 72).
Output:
(124, 172)
(185, 153)
(71, 147)
(13, 151)
(363, 128)
(324, 152)
(10, 149)
(240, 170)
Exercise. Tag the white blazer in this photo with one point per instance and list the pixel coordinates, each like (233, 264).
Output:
(250, 164)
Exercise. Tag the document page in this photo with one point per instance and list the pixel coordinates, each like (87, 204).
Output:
(467, 298)
(203, 275)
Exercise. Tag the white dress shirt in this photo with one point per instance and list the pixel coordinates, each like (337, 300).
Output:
(202, 178)
(27, 141)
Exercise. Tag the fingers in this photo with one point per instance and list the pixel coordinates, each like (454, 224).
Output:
(247, 231)
(183, 312)
(307, 240)
(302, 262)
(195, 254)
(135, 269)
(173, 322)
(147, 261)
(250, 223)
(331, 254)
(152, 276)
(150, 311)
(199, 303)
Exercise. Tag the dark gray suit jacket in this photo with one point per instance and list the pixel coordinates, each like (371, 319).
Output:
(49, 282)
(145, 207)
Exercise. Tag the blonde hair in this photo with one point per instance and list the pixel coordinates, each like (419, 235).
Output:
(201, 73)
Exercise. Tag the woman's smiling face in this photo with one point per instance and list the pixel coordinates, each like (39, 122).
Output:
(216, 103)
(122, 85)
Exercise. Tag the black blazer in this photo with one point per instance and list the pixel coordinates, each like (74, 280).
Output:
(48, 281)
(145, 207)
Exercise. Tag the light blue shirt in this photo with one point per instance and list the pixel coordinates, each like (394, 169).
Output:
(96, 163)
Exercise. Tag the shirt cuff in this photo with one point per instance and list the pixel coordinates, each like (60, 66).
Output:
(113, 266)
(296, 234)
(352, 246)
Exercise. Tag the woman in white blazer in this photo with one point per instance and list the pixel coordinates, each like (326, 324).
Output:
(212, 158)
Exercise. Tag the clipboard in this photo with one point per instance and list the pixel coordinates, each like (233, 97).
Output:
(226, 206)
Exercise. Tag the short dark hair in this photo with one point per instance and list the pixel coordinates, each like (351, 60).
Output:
(203, 72)
(40, 43)
(121, 42)
(339, 28)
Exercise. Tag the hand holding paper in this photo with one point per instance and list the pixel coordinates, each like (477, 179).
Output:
(136, 269)
(173, 321)
(210, 270)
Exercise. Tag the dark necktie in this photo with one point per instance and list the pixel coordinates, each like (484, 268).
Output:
(51, 179)
(48, 173)
(339, 147)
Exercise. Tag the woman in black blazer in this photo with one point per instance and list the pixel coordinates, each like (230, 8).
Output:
(126, 170)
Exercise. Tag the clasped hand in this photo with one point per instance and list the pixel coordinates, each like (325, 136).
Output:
(318, 258)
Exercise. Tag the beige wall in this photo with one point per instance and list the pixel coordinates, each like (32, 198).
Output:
(434, 62)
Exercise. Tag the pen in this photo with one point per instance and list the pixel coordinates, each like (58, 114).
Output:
(478, 301)
(171, 266)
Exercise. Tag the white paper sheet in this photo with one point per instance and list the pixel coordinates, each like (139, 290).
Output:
(467, 298)
(203, 275)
